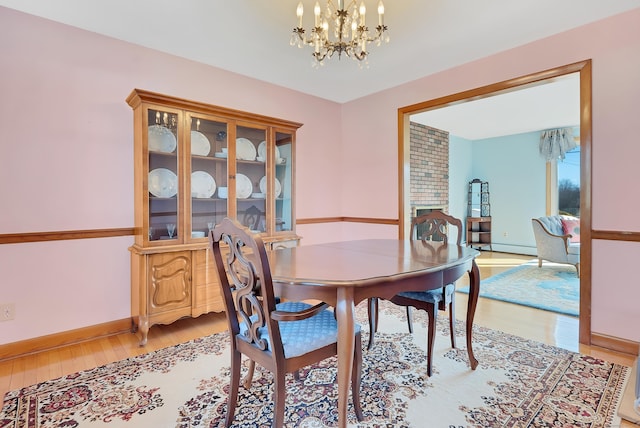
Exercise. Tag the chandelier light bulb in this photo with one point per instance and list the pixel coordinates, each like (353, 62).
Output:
(317, 12)
(299, 13)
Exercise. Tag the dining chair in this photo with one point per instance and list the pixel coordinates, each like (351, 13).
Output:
(282, 337)
(433, 226)
(251, 218)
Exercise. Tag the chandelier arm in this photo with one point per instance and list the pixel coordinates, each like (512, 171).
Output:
(380, 29)
(299, 32)
(362, 56)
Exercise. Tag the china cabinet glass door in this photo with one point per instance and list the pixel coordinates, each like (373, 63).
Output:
(283, 186)
(162, 172)
(251, 177)
(209, 173)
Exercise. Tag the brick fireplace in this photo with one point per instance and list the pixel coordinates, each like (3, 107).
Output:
(429, 169)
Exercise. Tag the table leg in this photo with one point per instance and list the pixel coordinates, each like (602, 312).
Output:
(474, 291)
(345, 315)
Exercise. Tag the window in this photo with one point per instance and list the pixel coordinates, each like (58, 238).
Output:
(569, 183)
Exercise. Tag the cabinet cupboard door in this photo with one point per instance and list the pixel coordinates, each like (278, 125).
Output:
(169, 282)
(207, 296)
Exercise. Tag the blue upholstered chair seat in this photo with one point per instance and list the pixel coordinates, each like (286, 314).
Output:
(301, 337)
(430, 296)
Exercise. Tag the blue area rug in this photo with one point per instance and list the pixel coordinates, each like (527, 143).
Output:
(553, 287)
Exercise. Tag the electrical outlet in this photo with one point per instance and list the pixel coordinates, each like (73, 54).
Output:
(7, 311)
(506, 234)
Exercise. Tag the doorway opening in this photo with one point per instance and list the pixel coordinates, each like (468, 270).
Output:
(584, 70)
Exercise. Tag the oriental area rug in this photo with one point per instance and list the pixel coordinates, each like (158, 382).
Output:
(553, 287)
(519, 383)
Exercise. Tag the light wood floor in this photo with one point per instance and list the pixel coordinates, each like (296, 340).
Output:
(547, 327)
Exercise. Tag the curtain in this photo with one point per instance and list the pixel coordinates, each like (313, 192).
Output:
(554, 143)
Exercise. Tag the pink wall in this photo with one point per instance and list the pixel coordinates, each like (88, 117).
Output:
(370, 128)
(63, 100)
(67, 164)
(66, 138)
(64, 285)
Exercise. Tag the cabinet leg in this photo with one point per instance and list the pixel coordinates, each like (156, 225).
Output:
(143, 326)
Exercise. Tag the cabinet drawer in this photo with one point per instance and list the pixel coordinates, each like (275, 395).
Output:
(284, 244)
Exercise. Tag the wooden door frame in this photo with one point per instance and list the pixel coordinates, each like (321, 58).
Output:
(584, 70)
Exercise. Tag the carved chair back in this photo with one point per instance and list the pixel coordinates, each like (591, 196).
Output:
(434, 226)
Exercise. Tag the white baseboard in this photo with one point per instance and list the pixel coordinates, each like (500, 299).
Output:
(515, 249)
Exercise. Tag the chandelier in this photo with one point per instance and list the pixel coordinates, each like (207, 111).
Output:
(350, 35)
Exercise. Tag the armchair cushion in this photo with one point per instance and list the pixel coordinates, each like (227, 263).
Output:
(552, 224)
(571, 227)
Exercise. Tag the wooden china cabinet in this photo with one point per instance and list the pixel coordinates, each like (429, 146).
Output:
(195, 164)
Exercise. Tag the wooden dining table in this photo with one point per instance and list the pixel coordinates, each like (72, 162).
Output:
(345, 273)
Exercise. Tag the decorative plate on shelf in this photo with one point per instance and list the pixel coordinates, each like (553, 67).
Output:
(262, 151)
(244, 188)
(245, 150)
(202, 185)
(199, 144)
(161, 139)
(263, 186)
(163, 183)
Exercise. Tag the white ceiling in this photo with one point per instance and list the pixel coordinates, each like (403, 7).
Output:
(554, 104)
(251, 37)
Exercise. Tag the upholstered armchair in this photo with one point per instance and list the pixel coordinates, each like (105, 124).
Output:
(558, 239)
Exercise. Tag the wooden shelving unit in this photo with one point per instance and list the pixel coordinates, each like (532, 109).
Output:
(479, 232)
(479, 215)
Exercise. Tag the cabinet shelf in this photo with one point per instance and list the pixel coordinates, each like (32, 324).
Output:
(208, 158)
(224, 200)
